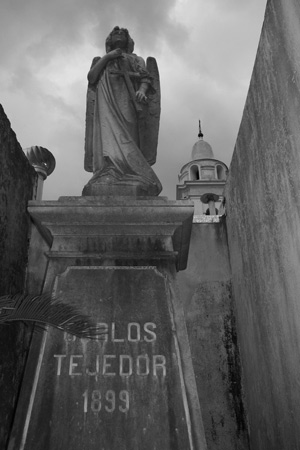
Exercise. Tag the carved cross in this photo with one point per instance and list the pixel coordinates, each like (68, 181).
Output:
(127, 75)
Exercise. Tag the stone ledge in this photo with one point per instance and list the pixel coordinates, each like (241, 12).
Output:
(116, 225)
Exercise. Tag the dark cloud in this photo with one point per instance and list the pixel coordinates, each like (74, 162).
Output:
(205, 51)
(44, 27)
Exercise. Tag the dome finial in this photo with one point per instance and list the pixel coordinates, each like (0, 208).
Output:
(201, 149)
(200, 134)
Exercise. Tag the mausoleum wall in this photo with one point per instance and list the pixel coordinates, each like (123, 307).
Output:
(206, 291)
(263, 222)
(17, 179)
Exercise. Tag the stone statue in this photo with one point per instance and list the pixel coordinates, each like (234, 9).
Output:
(122, 121)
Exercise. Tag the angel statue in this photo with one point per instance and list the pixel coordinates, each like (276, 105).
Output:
(122, 121)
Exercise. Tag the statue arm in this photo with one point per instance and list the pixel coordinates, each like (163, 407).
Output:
(99, 64)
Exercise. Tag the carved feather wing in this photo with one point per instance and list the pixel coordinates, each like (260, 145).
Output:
(149, 122)
(89, 124)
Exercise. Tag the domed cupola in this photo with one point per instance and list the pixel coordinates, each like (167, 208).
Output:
(202, 178)
(202, 149)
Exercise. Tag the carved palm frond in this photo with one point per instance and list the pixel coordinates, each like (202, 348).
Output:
(45, 309)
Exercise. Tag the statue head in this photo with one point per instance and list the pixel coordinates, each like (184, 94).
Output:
(130, 42)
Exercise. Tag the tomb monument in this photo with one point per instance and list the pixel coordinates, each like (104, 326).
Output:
(113, 252)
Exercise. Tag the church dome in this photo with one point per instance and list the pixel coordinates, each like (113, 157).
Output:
(202, 150)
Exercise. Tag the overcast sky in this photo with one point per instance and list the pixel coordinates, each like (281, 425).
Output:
(205, 51)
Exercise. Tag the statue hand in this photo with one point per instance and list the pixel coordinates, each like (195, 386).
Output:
(140, 96)
(116, 53)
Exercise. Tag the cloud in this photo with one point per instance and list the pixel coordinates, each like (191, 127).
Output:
(42, 28)
(205, 51)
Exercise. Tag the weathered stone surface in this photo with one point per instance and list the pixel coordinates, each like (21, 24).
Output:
(117, 262)
(16, 188)
(124, 391)
(40, 244)
(17, 179)
(116, 228)
(206, 292)
(263, 206)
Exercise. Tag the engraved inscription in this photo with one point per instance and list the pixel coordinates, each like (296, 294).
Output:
(114, 364)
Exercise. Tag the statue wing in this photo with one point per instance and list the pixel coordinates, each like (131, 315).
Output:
(149, 122)
(89, 124)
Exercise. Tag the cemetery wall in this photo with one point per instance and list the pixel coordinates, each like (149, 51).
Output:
(17, 179)
(206, 291)
(263, 222)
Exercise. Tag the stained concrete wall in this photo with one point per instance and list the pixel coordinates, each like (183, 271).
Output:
(17, 179)
(263, 205)
(205, 288)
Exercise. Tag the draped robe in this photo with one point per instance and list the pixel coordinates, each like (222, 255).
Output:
(112, 149)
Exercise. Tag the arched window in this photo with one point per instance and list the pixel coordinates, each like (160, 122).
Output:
(194, 173)
(221, 173)
(207, 212)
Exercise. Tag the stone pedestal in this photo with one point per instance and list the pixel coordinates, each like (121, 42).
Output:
(134, 387)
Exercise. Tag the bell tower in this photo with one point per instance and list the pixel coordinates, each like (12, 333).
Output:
(202, 179)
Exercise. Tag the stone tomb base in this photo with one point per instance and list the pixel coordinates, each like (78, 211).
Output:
(133, 388)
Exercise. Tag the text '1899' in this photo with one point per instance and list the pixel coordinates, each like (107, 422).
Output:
(108, 402)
